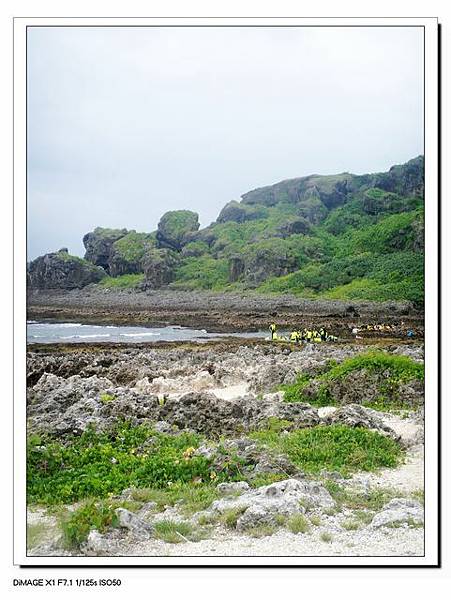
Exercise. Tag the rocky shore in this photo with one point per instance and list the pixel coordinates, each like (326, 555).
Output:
(222, 312)
(232, 401)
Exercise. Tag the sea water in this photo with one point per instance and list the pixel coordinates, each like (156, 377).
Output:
(67, 333)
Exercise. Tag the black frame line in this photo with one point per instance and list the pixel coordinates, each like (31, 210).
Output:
(439, 337)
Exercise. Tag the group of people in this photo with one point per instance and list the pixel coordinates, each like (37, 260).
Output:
(303, 335)
(378, 327)
(382, 327)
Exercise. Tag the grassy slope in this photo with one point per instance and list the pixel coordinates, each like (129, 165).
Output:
(366, 249)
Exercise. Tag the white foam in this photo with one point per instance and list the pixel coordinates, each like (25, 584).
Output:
(93, 335)
(138, 334)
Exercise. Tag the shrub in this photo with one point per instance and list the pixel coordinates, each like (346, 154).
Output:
(396, 369)
(334, 448)
(91, 515)
(203, 272)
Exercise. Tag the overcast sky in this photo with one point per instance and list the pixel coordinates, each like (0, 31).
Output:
(127, 123)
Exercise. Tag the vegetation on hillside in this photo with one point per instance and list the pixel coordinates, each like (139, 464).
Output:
(336, 237)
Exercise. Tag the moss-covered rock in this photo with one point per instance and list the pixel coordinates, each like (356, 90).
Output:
(129, 252)
(175, 227)
(60, 270)
(99, 245)
(239, 212)
(159, 268)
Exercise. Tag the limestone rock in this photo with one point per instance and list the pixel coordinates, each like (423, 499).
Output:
(354, 415)
(159, 268)
(262, 505)
(399, 511)
(175, 227)
(99, 245)
(98, 545)
(137, 526)
(60, 270)
(227, 488)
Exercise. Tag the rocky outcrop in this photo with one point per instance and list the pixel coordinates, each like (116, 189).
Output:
(159, 268)
(60, 270)
(118, 251)
(175, 229)
(130, 252)
(399, 512)
(236, 268)
(60, 406)
(268, 260)
(263, 505)
(316, 195)
(355, 415)
(203, 413)
(406, 179)
(63, 406)
(293, 226)
(99, 245)
(330, 190)
(363, 387)
(239, 213)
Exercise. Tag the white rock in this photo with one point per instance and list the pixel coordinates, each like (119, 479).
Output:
(230, 488)
(133, 523)
(399, 511)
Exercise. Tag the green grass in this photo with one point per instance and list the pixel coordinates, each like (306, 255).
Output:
(176, 532)
(399, 368)
(106, 398)
(203, 272)
(100, 464)
(133, 246)
(91, 515)
(334, 448)
(350, 525)
(259, 531)
(360, 502)
(128, 281)
(230, 517)
(396, 369)
(298, 524)
(326, 537)
(191, 497)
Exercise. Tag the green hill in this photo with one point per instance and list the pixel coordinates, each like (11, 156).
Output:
(341, 237)
(336, 236)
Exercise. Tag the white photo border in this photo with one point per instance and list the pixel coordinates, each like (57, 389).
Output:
(431, 556)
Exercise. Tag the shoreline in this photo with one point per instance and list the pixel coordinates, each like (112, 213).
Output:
(215, 312)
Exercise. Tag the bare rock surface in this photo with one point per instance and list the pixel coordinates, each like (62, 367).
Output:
(399, 511)
(262, 505)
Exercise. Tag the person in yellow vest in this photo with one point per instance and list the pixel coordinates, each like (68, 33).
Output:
(272, 329)
(294, 336)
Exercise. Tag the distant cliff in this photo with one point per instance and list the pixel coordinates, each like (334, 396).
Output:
(332, 236)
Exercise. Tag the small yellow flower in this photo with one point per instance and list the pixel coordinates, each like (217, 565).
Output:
(187, 454)
(213, 475)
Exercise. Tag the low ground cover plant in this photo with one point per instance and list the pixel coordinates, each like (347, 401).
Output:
(100, 464)
(394, 369)
(334, 448)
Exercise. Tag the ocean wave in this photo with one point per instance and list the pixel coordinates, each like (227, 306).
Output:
(86, 335)
(138, 334)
